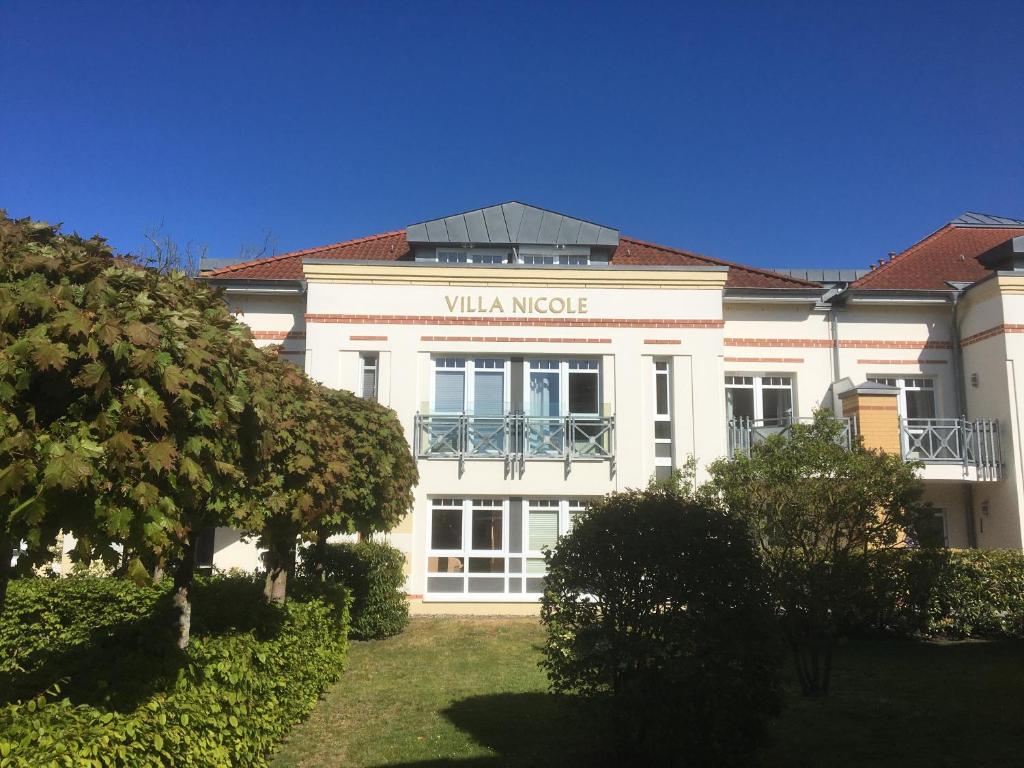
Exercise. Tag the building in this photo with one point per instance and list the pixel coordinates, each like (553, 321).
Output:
(537, 360)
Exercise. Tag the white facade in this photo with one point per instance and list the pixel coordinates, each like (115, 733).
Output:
(526, 389)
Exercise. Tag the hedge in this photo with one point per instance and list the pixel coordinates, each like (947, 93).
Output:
(374, 572)
(249, 673)
(948, 593)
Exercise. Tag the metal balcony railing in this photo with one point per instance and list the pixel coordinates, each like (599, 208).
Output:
(972, 443)
(744, 433)
(514, 437)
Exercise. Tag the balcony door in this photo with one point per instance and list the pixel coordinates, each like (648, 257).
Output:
(478, 389)
(921, 433)
(555, 391)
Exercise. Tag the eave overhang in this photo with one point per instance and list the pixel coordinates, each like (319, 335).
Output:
(891, 298)
(773, 295)
(236, 285)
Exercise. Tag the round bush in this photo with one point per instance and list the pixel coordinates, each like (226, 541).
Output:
(374, 572)
(656, 615)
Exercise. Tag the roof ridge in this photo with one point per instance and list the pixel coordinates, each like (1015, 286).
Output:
(899, 257)
(291, 254)
(721, 262)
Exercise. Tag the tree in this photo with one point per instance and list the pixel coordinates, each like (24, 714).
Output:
(378, 491)
(656, 614)
(330, 462)
(126, 396)
(815, 509)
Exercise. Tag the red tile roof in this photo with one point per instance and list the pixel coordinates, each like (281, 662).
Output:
(948, 254)
(392, 246)
(639, 252)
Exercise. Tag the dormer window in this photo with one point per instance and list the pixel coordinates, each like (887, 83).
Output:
(471, 257)
(565, 259)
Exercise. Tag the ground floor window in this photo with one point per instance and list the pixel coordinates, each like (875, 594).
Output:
(494, 547)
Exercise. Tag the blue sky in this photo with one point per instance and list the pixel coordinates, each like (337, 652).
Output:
(777, 134)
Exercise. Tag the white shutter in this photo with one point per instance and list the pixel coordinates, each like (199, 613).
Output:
(449, 391)
(543, 528)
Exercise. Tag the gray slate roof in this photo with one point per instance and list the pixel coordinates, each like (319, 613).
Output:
(512, 223)
(970, 219)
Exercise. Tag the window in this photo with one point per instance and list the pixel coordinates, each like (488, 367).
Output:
(469, 257)
(494, 547)
(474, 386)
(916, 397)
(768, 398)
(555, 390)
(662, 420)
(562, 259)
(563, 387)
(369, 363)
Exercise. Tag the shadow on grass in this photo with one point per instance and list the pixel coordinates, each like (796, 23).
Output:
(524, 729)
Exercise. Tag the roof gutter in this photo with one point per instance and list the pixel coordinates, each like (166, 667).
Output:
(773, 295)
(257, 287)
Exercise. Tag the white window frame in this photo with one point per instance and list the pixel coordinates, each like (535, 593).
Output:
(364, 358)
(566, 509)
(564, 367)
(902, 383)
(663, 369)
(758, 385)
(551, 260)
(463, 256)
(469, 367)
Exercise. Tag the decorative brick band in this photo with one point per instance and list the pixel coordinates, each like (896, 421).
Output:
(367, 338)
(872, 361)
(843, 343)
(547, 322)
(990, 332)
(663, 341)
(515, 339)
(764, 359)
(277, 335)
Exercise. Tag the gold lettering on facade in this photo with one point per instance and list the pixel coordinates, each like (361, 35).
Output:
(521, 305)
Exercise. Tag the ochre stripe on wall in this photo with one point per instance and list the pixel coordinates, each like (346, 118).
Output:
(515, 339)
(663, 341)
(367, 338)
(556, 322)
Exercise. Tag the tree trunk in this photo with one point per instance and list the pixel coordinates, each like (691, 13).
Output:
(319, 552)
(280, 559)
(183, 577)
(6, 548)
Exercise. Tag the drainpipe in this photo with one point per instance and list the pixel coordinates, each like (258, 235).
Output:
(961, 404)
(833, 318)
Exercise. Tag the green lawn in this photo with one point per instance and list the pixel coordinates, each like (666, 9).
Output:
(468, 692)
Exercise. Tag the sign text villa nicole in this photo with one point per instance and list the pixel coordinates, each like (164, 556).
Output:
(538, 360)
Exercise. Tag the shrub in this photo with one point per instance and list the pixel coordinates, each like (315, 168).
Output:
(948, 593)
(226, 700)
(374, 572)
(655, 614)
(45, 617)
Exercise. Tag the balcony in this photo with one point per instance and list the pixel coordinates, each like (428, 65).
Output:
(973, 446)
(514, 438)
(950, 449)
(744, 433)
